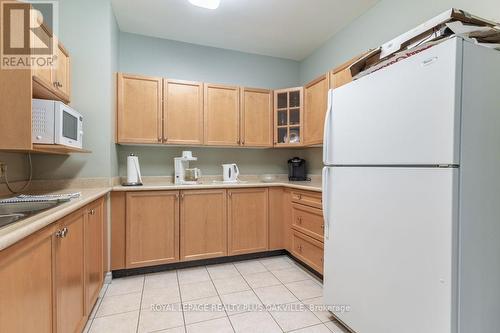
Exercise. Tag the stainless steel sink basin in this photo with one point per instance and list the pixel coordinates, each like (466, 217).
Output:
(13, 212)
(10, 218)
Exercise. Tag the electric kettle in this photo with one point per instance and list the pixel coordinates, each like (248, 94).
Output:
(230, 173)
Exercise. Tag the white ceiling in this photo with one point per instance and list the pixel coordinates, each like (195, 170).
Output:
(290, 29)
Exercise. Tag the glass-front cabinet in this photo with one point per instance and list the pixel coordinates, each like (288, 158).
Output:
(288, 117)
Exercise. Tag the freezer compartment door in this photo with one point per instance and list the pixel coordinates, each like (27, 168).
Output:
(405, 114)
(389, 253)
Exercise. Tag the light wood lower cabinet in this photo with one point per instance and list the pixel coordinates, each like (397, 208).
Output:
(50, 280)
(308, 250)
(203, 232)
(26, 285)
(70, 273)
(94, 240)
(152, 224)
(247, 220)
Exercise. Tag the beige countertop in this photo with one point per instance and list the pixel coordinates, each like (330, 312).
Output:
(19, 230)
(306, 185)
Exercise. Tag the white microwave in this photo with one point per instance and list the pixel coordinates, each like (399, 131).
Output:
(54, 122)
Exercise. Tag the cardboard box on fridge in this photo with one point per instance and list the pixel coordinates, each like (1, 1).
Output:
(431, 30)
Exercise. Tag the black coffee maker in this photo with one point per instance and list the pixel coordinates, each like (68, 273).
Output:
(297, 169)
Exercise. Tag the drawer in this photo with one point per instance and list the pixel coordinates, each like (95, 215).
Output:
(312, 199)
(309, 250)
(308, 220)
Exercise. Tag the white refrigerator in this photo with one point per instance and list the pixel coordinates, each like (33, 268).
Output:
(411, 195)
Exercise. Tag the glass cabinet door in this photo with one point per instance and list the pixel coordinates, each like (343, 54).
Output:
(288, 116)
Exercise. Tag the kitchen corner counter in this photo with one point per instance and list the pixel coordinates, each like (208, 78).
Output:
(13, 233)
(159, 186)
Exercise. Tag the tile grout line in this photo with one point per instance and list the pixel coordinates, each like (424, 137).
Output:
(140, 303)
(259, 297)
(300, 301)
(97, 310)
(180, 297)
(220, 299)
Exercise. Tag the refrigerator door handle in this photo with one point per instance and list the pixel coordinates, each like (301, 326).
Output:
(324, 201)
(327, 129)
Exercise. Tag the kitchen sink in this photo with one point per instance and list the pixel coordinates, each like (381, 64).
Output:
(16, 211)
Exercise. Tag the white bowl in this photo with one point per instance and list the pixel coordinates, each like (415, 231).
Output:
(267, 178)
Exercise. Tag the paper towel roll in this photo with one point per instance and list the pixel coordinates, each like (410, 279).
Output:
(133, 170)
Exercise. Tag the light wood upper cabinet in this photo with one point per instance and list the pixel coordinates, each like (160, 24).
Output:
(152, 224)
(139, 109)
(183, 112)
(221, 112)
(288, 117)
(70, 268)
(26, 285)
(203, 229)
(62, 72)
(256, 117)
(315, 104)
(41, 40)
(247, 220)
(94, 274)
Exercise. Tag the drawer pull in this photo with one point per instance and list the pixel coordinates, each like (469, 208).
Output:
(299, 248)
(299, 220)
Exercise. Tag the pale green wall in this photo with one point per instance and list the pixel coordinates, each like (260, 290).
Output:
(159, 161)
(89, 31)
(168, 58)
(384, 21)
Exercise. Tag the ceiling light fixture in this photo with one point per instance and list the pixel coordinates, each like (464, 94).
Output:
(208, 4)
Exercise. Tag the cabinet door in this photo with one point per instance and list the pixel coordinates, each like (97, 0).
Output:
(256, 117)
(183, 114)
(203, 224)
(62, 73)
(288, 119)
(41, 40)
(276, 219)
(26, 301)
(152, 228)
(221, 115)
(248, 220)
(139, 109)
(316, 99)
(69, 262)
(93, 253)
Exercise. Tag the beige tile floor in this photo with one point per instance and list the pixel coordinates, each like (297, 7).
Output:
(217, 298)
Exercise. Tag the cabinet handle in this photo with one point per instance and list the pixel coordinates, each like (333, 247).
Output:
(92, 212)
(177, 196)
(300, 196)
(230, 194)
(238, 141)
(300, 248)
(322, 226)
(62, 233)
(182, 196)
(299, 220)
